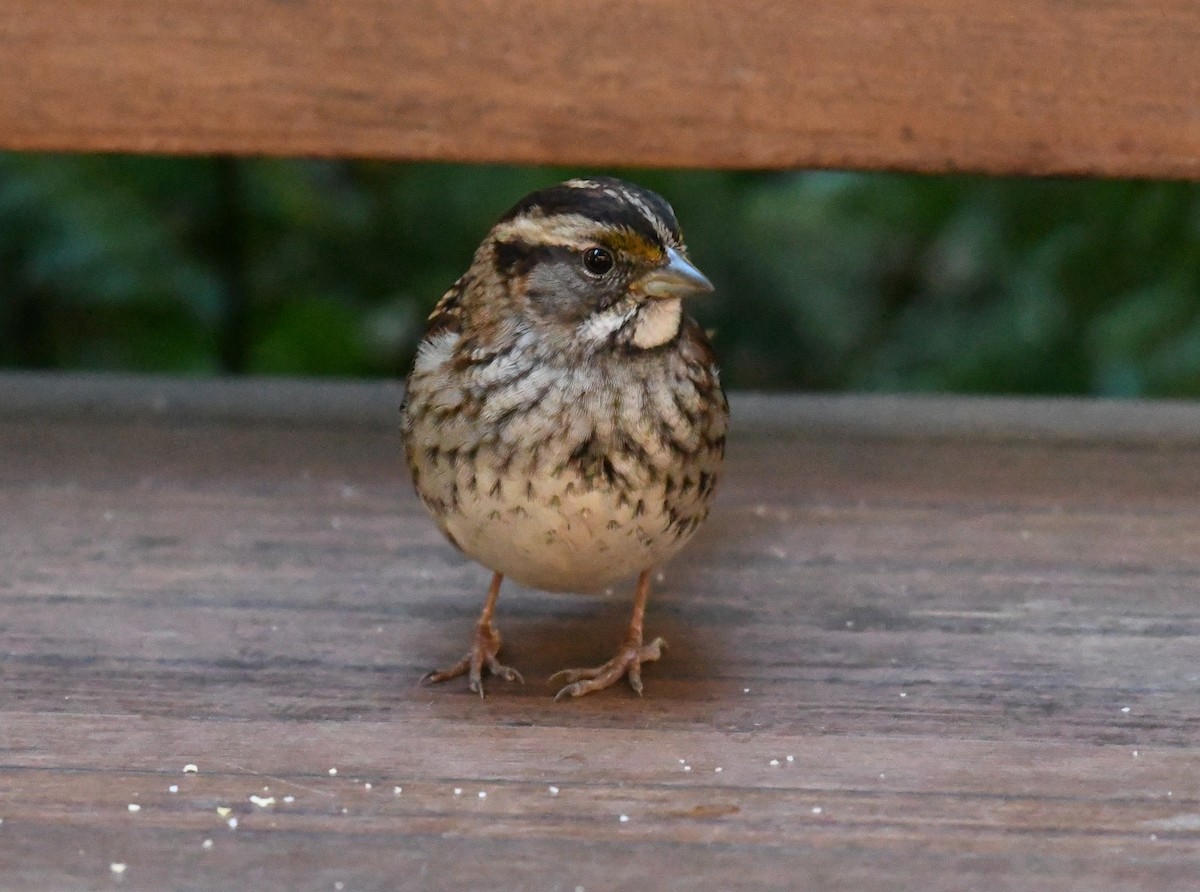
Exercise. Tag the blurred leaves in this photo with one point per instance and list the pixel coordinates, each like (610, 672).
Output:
(825, 280)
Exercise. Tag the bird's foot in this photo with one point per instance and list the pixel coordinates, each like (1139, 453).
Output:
(627, 662)
(484, 649)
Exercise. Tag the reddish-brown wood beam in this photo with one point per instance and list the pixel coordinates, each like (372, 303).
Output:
(1025, 86)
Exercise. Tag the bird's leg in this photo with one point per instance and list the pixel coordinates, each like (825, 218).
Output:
(484, 648)
(628, 660)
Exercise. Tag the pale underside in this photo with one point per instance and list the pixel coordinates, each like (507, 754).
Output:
(558, 540)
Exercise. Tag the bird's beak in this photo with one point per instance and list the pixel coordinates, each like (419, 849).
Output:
(674, 279)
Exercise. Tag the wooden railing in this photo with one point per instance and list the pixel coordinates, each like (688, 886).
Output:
(1022, 86)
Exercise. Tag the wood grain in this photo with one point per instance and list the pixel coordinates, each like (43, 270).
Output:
(978, 651)
(1027, 86)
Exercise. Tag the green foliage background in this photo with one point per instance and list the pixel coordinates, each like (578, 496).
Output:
(826, 281)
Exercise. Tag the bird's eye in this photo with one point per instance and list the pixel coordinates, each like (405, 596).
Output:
(597, 261)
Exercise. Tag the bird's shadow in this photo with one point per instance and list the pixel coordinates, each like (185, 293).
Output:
(545, 633)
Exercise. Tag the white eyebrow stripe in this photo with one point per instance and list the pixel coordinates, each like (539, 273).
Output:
(568, 230)
(632, 197)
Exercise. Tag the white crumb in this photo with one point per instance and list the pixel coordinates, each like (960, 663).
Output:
(816, 809)
(207, 844)
(174, 788)
(133, 806)
(774, 762)
(791, 758)
(904, 693)
(339, 886)
(458, 791)
(117, 867)
(190, 768)
(332, 772)
(718, 769)
(483, 794)
(1135, 754)
(687, 767)
(224, 811)
(366, 786)
(396, 791)
(683, 761)
(345, 811)
(624, 819)
(745, 690)
(289, 799)
(1125, 709)
(553, 791)
(263, 801)
(232, 822)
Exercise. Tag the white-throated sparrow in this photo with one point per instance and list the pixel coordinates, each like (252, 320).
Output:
(563, 421)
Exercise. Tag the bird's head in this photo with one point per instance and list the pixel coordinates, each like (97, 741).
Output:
(594, 264)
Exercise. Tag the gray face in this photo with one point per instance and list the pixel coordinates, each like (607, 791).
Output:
(563, 289)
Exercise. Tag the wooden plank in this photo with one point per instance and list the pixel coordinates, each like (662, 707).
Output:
(978, 651)
(1026, 86)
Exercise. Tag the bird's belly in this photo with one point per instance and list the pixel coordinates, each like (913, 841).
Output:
(562, 540)
(567, 480)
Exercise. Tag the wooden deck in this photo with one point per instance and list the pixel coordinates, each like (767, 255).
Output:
(923, 644)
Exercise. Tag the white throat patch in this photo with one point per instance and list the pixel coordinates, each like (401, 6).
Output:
(602, 326)
(657, 322)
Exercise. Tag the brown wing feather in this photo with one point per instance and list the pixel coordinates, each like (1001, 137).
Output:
(447, 315)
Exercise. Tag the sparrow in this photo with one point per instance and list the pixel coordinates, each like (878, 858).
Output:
(564, 421)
